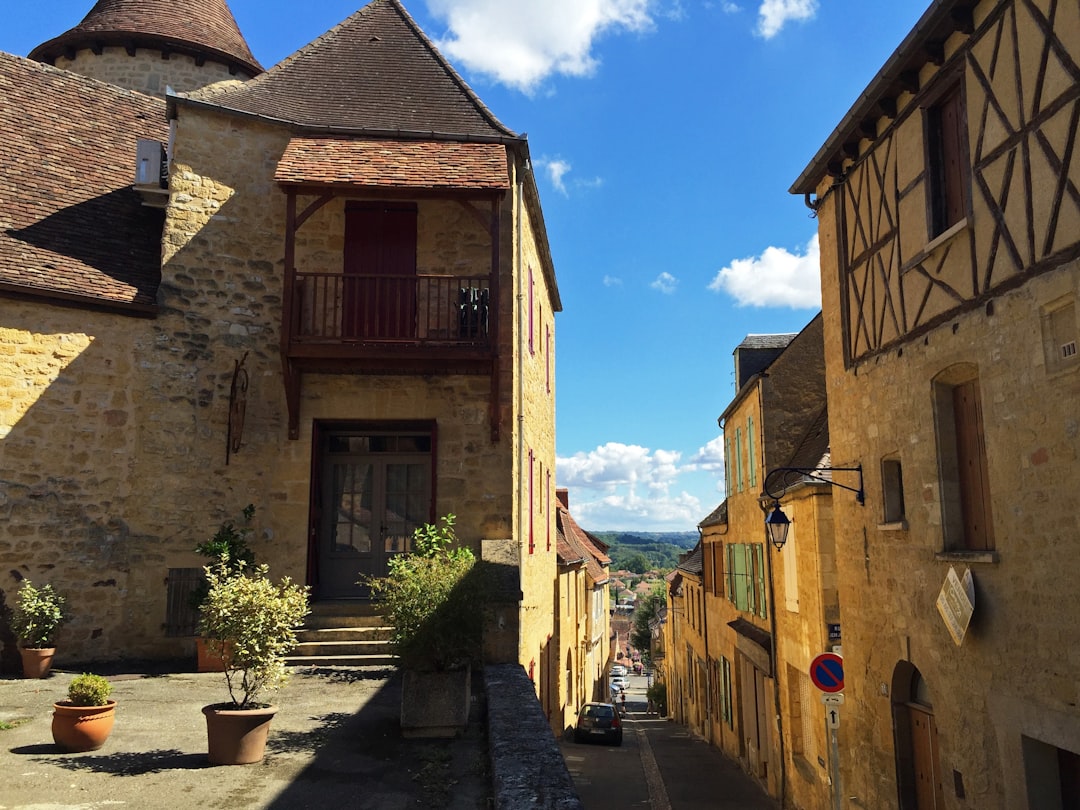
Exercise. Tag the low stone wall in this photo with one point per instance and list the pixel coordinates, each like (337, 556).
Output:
(527, 769)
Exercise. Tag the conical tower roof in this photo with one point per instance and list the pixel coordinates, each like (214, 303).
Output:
(204, 29)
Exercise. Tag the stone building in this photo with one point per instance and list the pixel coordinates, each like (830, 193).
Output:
(582, 641)
(949, 217)
(686, 654)
(318, 296)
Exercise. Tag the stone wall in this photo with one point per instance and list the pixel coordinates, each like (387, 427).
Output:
(146, 71)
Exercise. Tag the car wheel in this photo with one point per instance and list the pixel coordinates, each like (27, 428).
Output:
(618, 740)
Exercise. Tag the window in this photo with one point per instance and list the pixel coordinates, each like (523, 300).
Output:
(804, 714)
(738, 460)
(746, 578)
(892, 490)
(790, 565)
(750, 450)
(547, 355)
(725, 693)
(948, 179)
(530, 505)
(532, 307)
(1059, 335)
(962, 467)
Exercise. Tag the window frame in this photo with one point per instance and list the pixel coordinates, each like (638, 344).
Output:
(948, 167)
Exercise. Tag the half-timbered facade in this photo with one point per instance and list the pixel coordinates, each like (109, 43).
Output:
(949, 215)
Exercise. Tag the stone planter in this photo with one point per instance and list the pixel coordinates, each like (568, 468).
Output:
(237, 736)
(435, 704)
(82, 728)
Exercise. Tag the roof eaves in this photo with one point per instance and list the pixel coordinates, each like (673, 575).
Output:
(938, 20)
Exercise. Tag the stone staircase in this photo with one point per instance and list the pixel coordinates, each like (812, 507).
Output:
(343, 634)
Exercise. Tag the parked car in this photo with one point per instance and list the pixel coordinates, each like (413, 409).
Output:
(598, 721)
(620, 682)
(617, 670)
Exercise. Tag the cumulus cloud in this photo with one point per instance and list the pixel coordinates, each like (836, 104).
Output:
(710, 457)
(612, 281)
(773, 15)
(776, 278)
(665, 283)
(521, 43)
(627, 486)
(556, 170)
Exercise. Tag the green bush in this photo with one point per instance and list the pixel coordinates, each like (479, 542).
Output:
(251, 623)
(37, 616)
(230, 541)
(89, 690)
(434, 598)
(657, 695)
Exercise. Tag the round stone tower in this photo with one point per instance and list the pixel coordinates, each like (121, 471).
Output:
(148, 45)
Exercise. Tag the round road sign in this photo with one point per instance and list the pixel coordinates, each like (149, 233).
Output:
(827, 672)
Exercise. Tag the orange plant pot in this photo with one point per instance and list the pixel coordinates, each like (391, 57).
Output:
(36, 662)
(237, 736)
(82, 728)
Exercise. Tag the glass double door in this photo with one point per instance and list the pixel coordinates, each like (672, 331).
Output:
(373, 498)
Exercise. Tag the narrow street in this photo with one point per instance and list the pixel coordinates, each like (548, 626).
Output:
(659, 766)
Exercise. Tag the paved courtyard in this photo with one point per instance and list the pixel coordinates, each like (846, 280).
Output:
(335, 742)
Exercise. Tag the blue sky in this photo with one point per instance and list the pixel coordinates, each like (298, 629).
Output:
(665, 134)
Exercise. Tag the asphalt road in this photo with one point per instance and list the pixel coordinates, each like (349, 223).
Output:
(659, 766)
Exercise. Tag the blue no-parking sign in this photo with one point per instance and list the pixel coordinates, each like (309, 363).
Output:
(827, 672)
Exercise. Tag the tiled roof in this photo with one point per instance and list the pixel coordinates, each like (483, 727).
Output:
(374, 72)
(408, 164)
(70, 223)
(717, 517)
(778, 341)
(813, 450)
(692, 562)
(573, 545)
(202, 28)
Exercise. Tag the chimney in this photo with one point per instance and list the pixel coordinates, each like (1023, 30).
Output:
(562, 494)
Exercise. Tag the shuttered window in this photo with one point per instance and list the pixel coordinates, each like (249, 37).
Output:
(947, 162)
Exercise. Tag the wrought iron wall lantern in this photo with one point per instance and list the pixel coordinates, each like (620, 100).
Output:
(776, 522)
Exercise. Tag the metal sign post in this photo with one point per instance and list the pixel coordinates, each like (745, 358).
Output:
(827, 673)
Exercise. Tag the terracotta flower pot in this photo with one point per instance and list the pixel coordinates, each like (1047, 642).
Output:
(36, 661)
(237, 736)
(206, 659)
(82, 728)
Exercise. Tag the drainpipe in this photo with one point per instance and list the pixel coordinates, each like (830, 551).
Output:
(523, 508)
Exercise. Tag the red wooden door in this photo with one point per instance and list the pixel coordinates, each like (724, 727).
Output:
(379, 295)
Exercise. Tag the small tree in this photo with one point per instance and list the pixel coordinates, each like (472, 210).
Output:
(230, 542)
(251, 622)
(644, 613)
(434, 601)
(38, 614)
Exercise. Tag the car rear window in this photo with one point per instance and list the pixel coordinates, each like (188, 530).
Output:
(598, 711)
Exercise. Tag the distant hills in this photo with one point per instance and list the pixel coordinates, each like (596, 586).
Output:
(642, 551)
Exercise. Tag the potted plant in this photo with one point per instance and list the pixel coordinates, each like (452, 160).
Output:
(230, 542)
(251, 622)
(37, 616)
(84, 721)
(434, 599)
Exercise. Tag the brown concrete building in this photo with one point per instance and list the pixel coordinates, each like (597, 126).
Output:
(315, 295)
(949, 217)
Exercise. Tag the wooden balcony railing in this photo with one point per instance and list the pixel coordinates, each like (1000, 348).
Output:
(336, 309)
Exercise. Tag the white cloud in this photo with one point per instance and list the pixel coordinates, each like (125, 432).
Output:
(625, 486)
(556, 170)
(612, 281)
(665, 283)
(710, 457)
(521, 43)
(776, 278)
(774, 14)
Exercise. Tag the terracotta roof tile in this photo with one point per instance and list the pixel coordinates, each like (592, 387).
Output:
(410, 164)
(578, 546)
(204, 28)
(376, 71)
(70, 223)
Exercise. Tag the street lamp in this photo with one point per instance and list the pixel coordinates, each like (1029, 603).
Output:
(776, 522)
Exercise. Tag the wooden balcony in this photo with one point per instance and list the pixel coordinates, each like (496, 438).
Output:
(427, 324)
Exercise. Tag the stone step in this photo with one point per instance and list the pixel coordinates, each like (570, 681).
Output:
(381, 661)
(328, 634)
(354, 647)
(352, 613)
